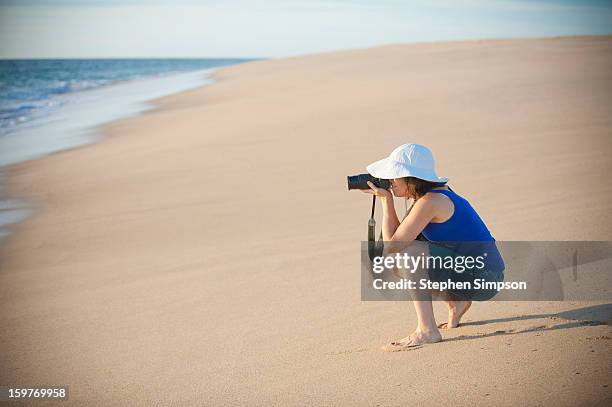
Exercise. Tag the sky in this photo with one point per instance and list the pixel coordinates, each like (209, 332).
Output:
(275, 28)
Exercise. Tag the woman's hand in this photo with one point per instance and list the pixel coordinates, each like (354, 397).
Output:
(374, 190)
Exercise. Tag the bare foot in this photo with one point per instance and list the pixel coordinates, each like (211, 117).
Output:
(414, 340)
(456, 310)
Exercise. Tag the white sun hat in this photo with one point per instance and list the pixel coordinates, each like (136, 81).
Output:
(407, 160)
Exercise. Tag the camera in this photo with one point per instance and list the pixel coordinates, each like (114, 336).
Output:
(361, 182)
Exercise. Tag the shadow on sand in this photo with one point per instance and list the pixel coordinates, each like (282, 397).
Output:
(588, 316)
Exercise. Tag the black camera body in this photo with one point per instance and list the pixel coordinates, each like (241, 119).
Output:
(360, 181)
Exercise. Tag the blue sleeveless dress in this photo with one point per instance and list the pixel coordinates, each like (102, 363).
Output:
(464, 234)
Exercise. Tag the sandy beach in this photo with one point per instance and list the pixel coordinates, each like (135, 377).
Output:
(207, 252)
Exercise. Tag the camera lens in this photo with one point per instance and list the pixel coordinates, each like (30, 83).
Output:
(360, 181)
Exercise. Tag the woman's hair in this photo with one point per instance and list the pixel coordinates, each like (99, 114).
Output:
(418, 187)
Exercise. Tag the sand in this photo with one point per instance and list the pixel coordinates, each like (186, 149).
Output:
(207, 252)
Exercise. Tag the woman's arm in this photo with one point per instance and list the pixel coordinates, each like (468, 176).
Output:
(390, 221)
(422, 212)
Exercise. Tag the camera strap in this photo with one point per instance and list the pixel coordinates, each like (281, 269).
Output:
(375, 248)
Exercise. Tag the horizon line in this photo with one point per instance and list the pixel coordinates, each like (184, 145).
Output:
(519, 38)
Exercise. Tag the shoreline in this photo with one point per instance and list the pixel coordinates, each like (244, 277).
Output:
(210, 244)
(14, 210)
(100, 102)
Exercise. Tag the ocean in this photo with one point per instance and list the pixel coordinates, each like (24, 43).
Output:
(48, 105)
(36, 93)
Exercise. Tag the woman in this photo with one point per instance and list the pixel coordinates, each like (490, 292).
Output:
(448, 222)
